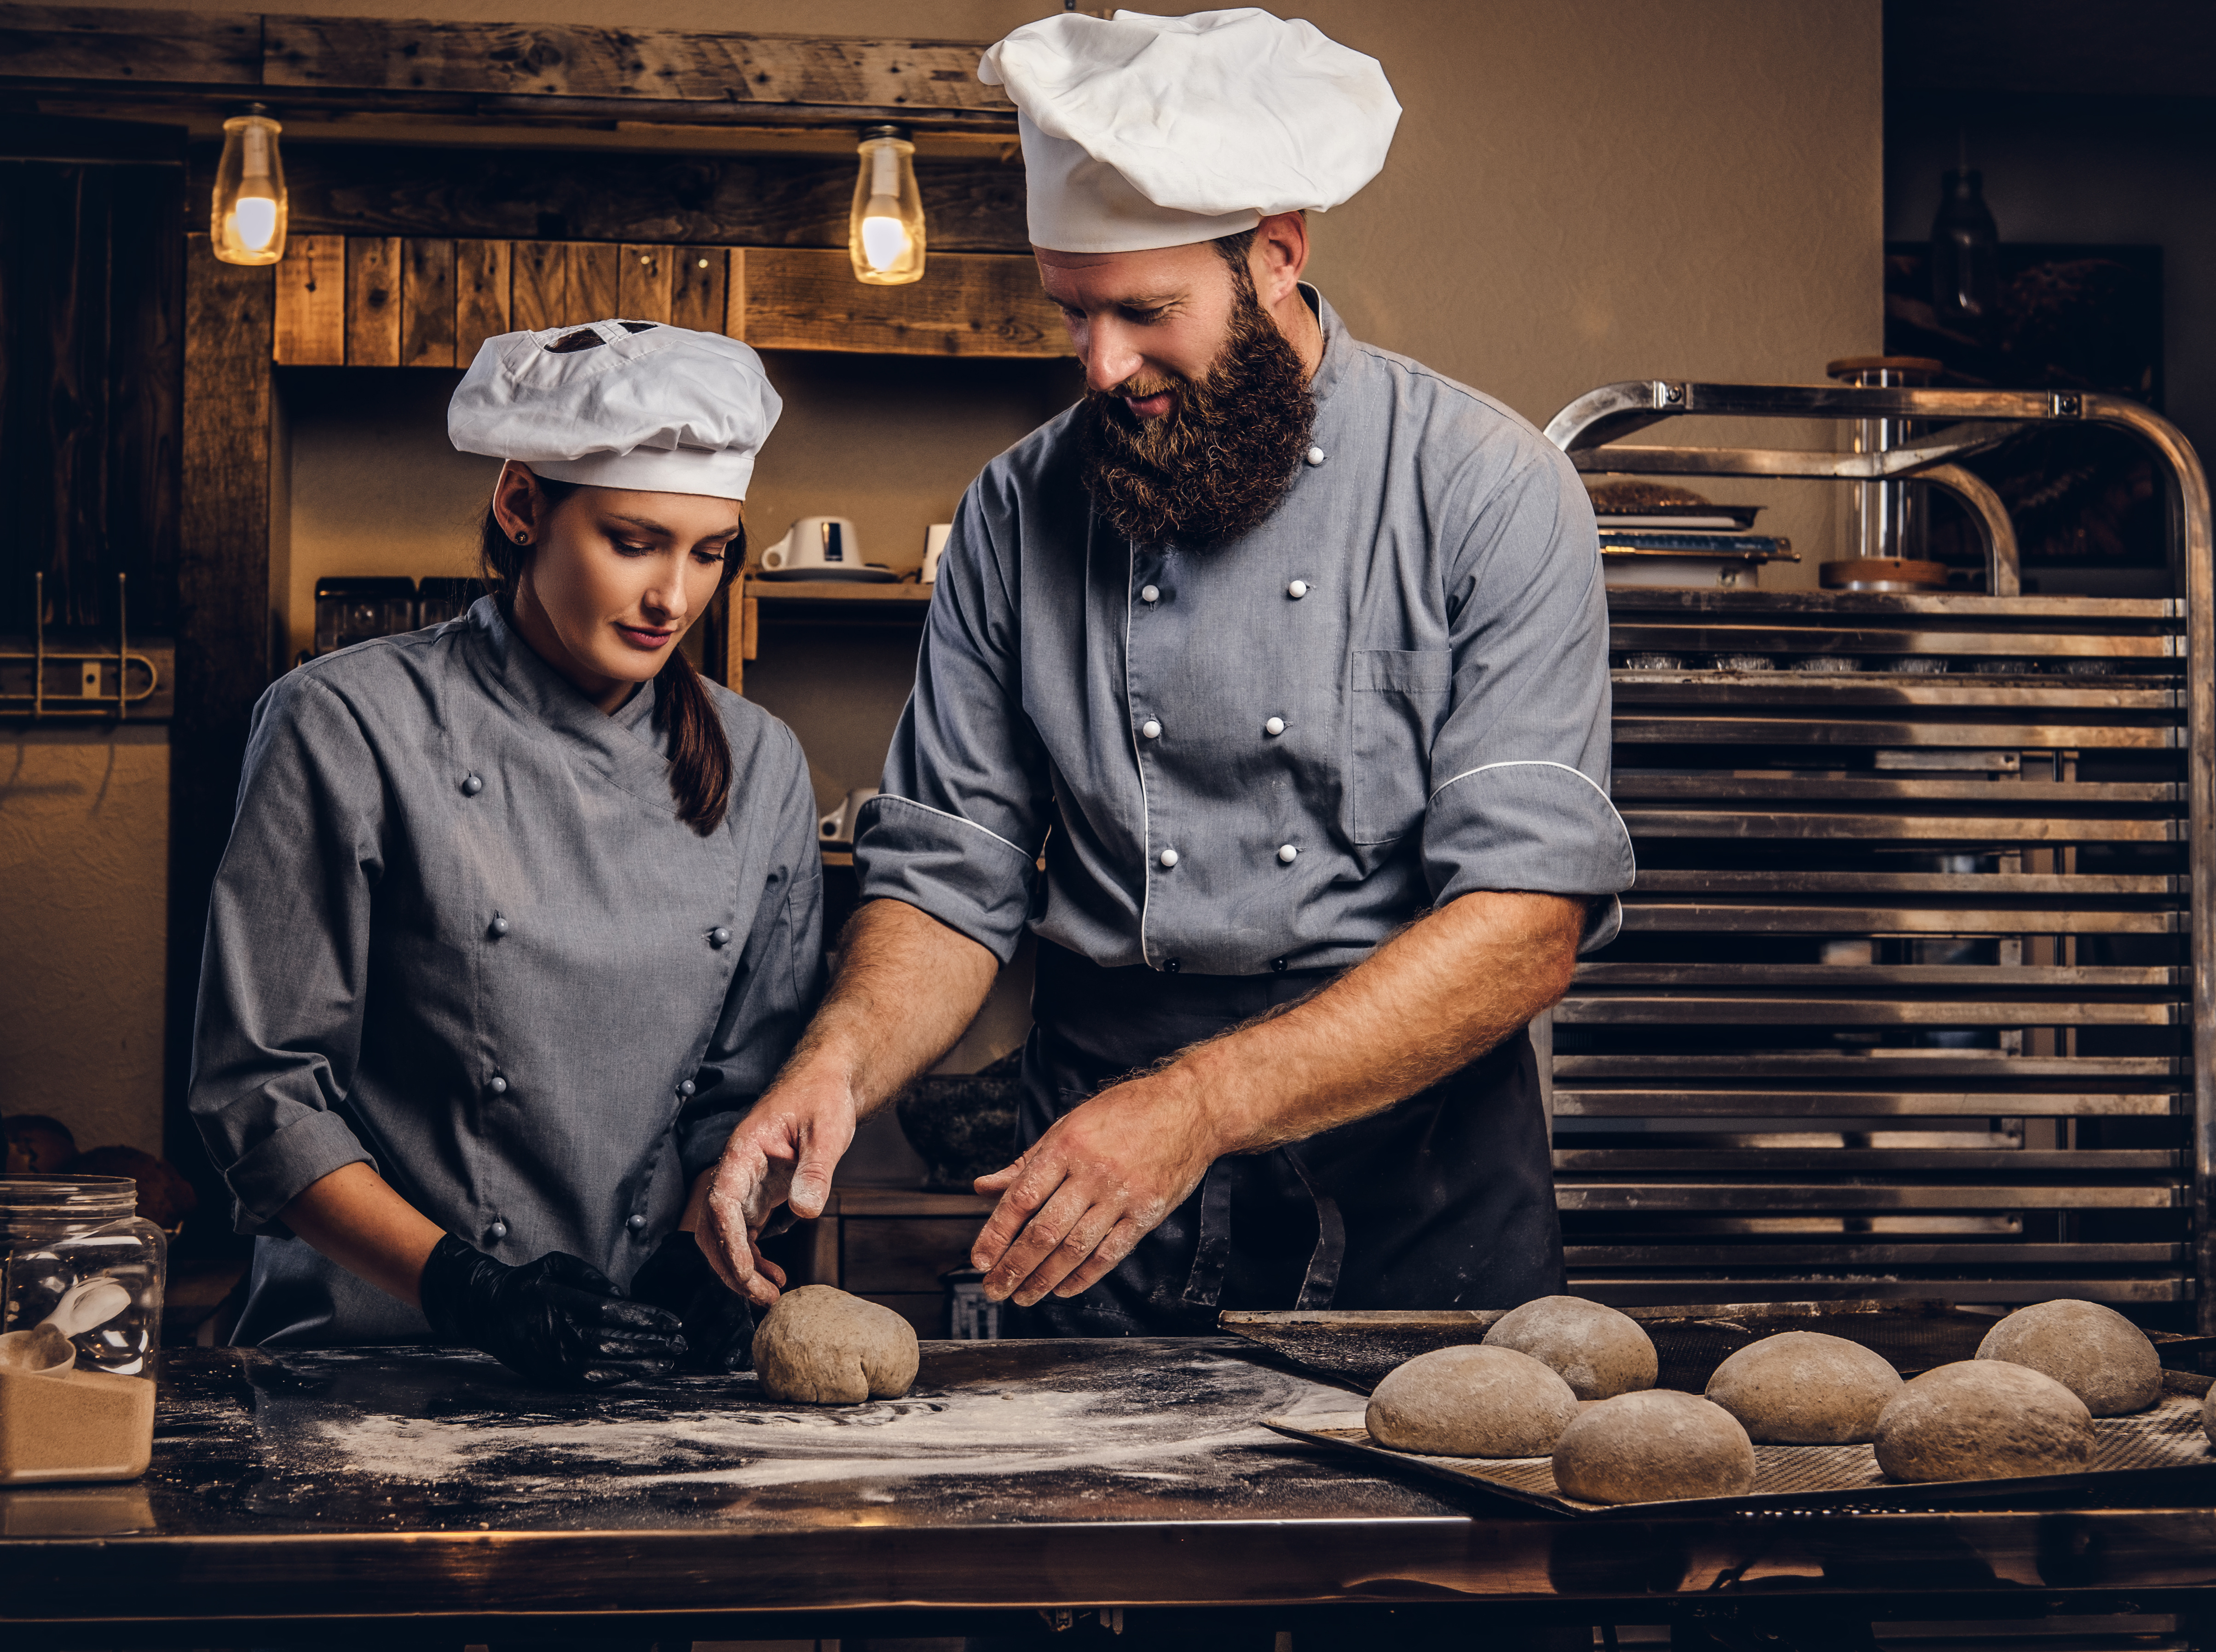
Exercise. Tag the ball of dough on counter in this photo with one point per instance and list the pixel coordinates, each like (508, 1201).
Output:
(1597, 1351)
(2208, 1416)
(1652, 1447)
(2092, 1350)
(1472, 1402)
(1803, 1388)
(819, 1346)
(1983, 1420)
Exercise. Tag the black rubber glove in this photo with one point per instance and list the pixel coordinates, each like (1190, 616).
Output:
(719, 1322)
(558, 1321)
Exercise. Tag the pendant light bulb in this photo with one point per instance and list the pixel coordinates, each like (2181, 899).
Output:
(884, 233)
(246, 221)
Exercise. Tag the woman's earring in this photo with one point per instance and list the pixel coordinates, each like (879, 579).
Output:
(521, 537)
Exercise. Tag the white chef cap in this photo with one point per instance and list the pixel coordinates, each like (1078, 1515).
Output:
(619, 404)
(1145, 132)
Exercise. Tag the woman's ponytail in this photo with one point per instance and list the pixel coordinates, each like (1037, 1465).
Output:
(700, 749)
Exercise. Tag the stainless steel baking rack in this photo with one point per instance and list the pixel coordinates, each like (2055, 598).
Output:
(1913, 996)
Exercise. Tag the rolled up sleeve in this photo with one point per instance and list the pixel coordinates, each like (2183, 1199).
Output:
(1519, 770)
(779, 977)
(287, 960)
(956, 829)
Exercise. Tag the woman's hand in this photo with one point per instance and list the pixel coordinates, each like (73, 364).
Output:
(558, 1321)
(780, 1158)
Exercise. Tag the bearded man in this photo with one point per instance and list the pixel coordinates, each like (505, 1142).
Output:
(1268, 688)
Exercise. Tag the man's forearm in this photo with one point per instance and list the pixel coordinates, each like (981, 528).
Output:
(1427, 1002)
(907, 988)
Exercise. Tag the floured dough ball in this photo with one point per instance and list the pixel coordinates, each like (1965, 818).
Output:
(1653, 1446)
(1802, 1388)
(2093, 1351)
(2208, 1416)
(1472, 1402)
(1599, 1352)
(822, 1347)
(1983, 1420)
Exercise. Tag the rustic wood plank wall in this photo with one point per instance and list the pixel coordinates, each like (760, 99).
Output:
(90, 375)
(967, 304)
(481, 294)
(311, 289)
(426, 304)
(417, 302)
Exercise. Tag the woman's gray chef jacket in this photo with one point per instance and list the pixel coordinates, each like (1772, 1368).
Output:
(1271, 754)
(460, 934)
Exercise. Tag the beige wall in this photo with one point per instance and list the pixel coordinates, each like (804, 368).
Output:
(84, 906)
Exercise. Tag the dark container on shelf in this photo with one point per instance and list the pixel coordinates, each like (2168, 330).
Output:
(353, 609)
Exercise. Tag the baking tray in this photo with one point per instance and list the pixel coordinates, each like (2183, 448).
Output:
(1357, 1348)
(2162, 1452)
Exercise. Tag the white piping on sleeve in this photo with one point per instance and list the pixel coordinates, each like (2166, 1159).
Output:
(894, 797)
(1535, 763)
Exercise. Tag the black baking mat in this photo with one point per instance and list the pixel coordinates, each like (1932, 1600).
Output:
(2160, 1453)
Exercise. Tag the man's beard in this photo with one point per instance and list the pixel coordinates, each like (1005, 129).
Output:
(1213, 467)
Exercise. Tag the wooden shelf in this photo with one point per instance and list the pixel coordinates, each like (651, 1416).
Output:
(903, 594)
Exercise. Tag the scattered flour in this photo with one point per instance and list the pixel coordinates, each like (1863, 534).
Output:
(962, 1432)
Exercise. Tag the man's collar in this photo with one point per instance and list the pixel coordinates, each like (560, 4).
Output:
(1334, 345)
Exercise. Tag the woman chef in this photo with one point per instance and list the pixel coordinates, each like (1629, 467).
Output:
(518, 914)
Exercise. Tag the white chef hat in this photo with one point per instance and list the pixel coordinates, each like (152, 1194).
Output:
(619, 404)
(1145, 132)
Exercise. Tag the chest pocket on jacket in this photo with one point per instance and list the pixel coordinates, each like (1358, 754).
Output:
(1400, 698)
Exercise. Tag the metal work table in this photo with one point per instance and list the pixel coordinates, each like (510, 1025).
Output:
(321, 1494)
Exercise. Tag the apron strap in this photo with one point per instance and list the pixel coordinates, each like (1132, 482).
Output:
(1323, 1281)
(1212, 1252)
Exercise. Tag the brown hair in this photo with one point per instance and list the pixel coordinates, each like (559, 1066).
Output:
(700, 750)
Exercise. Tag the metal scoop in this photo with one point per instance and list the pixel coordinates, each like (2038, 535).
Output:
(46, 1348)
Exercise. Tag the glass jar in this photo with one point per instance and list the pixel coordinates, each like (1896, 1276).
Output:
(89, 1417)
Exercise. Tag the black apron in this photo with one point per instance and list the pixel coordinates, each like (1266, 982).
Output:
(1444, 1201)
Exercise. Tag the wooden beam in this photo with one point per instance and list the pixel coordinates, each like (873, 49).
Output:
(967, 304)
(481, 295)
(373, 301)
(645, 282)
(698, 293)
(651, 65)
(500, 72)
(426, 304)
(223, 627)
(311, 297)
(520, 193)
(205, 48)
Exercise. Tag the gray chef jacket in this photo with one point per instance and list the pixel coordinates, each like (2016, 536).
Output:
(1269, 754)
(460, 934)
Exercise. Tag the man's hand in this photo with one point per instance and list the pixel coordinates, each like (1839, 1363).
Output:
(1432, 999)
(780, 1158)
(907, 986)
(1100, 1180)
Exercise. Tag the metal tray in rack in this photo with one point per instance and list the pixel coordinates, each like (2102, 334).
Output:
(2158, 1455)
